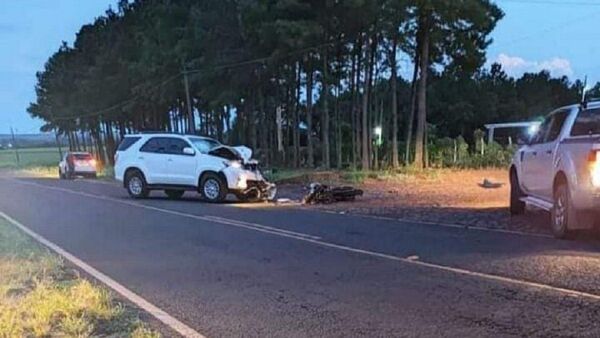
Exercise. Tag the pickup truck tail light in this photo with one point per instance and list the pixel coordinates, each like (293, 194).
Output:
(594, 164)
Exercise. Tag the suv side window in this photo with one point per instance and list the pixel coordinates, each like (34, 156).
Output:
(156, 145)
(176, 146)
(558, 121)
(127, 142)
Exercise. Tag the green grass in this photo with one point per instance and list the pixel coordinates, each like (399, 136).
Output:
(30, 157)
(40, 297)
(105, 173)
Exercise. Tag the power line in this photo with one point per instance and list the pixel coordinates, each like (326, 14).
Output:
(554, 2)
(561, 25)
(261, 60)
(193, 71)
(115, 106)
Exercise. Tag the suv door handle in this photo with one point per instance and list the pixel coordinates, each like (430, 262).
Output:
(549, 152)
(534, 153)
(141, 158)
(170, 160)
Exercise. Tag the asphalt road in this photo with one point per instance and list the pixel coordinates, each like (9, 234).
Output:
(252, 270)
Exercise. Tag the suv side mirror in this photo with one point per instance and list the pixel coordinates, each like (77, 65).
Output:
(189, 151)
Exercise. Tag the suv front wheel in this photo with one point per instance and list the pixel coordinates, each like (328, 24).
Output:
(136, 185)
(212, 188)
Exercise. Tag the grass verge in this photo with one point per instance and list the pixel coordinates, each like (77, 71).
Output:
(41, 297)
(29, 157)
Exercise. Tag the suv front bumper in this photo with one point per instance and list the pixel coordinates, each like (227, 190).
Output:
(249, 183)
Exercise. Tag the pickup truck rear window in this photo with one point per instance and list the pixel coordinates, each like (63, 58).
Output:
(587, 123)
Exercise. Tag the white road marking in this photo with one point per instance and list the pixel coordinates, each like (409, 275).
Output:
(97, 181)
(152, 309)
(306, 238)
(248, 224)
(214, 219)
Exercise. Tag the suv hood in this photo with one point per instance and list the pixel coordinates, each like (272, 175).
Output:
(239, 153)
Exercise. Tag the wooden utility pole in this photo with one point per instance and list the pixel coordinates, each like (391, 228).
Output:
(14, 144)
(190, 111)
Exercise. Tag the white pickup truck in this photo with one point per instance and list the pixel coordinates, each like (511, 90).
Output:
(558, 169)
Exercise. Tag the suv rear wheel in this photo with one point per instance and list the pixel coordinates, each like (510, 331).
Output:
(136, 184)
(174, 194)
(212, 188)
(517, 207)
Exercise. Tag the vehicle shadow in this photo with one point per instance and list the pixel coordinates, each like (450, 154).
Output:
(534, 221)
(192, 197)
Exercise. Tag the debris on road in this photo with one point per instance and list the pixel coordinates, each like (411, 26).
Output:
(323, 194)
(487, 184)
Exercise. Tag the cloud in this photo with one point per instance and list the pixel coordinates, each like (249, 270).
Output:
(516, 66)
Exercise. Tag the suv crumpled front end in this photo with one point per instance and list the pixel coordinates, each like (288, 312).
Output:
(244, 177)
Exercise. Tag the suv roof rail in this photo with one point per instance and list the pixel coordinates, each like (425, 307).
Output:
(158, 132)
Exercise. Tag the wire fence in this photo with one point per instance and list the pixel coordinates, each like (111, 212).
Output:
(34, 150)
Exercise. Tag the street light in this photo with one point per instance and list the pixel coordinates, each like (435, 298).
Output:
(378, 132)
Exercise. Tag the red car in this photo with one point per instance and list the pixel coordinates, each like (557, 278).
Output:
(77, 164)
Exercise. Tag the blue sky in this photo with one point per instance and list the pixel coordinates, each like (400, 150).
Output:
(558, 35)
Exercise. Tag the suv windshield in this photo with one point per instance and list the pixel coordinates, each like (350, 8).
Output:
(204, 145)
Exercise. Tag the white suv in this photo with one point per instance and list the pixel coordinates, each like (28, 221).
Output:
(177, 163)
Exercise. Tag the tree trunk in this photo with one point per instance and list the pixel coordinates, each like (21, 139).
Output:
(353, 121)
(309, 107)
(395, 161)
(411, 114)
(338, 120)
(219, 121)
(264, 128)
(422, 96)
(325, 121)
(366, 158)
(296, 129)
(252, 123)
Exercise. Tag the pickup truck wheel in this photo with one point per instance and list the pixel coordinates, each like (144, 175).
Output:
(561, 212)
(136, 185)
(212, 188)
(517, 207)
(60, 174)
(174, 194)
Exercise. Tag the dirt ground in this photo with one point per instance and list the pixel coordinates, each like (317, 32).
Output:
(441, 196)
